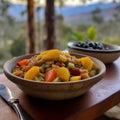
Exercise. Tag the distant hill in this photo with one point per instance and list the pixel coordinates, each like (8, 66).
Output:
(70, 13)
(72, 10)
(107, 14)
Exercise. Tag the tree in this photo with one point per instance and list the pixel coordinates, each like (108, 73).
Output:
(18, 46)
(5, 20)
(96, 16)
(31, 26)
(49, 24)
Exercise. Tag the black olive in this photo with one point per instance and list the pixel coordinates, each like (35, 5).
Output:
(91, 45)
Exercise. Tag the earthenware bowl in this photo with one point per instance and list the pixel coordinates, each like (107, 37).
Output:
(53, 90)
(106, 56)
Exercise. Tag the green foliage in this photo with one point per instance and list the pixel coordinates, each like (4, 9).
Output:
(117, 8)
(77, 35)
(113, 40)
(98, 19)
(1, 54)
(96, 11)
(18, 46)
(91, 33)
(65, 32)
(4, 55)
(59, 17)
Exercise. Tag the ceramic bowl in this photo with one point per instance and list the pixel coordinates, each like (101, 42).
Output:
(53, 90)
(106, 56)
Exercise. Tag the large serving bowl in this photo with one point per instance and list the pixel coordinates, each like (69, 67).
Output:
(106, 56)
(53, 90)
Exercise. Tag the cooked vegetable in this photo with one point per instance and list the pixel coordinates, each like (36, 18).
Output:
(50, 75)
(23, 62)
(87, 63)
(75, 71)
(58, 64)
(92, 73)
(32, 73)
(55, 66)
(57, 79)
(50, 55)
(62, 58)
(71, 65)
(42, 54)
(85, 76)
(75, 78)
(63, 73)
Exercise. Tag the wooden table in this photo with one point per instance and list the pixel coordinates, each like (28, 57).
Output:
(89, 106)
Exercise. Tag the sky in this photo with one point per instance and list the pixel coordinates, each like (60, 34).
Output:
(68, 2)
(15, 10)
(94, 1)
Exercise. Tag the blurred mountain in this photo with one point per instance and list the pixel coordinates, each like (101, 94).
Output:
(73, 10)
(106, 14)
(71, 13)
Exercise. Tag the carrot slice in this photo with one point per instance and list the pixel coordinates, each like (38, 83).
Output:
(50, 75)
(23, 62)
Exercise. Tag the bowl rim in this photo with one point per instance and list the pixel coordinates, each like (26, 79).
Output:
(7, 72)
(70, 45)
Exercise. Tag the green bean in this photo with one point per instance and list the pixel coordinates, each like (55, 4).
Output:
(49, 62)
(42, 75)
(57, 79)
(92, 73)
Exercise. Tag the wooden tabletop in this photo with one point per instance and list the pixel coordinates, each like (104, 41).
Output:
(102, 96)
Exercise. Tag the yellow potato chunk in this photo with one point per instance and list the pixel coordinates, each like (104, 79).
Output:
(75, 78)
(55, 66)
(32, 73)
(87, 63)
(63, 73)
(66, 54)
(50, 54)
(84, 76)
(42, 54)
